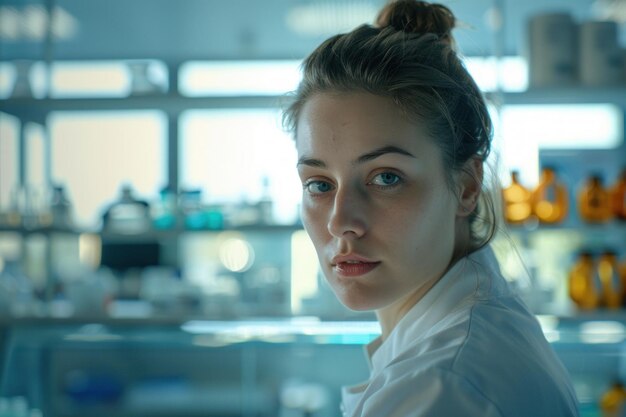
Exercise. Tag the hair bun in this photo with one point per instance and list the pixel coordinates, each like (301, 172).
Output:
(418, 17)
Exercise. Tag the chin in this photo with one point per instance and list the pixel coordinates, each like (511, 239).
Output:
(360, 302)
(355, 296)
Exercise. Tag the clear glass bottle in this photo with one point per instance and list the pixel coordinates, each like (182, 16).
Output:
(549, 199)
(517, 201)
(611, 280)
(13, 217)
(17, 292)
(618, 196)
(61, 210)
(165, 211)
(193, 211)
(128, 214)
(594, 202)
(265, 204)
(584, 290)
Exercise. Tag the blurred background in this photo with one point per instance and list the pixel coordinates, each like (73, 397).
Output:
(152, 258)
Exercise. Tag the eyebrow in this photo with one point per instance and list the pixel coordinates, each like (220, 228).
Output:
(304, 160)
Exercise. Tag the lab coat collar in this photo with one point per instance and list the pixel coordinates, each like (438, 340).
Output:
(472, 277)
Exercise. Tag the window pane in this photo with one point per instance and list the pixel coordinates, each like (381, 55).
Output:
(35, 157)
(35, 166)
(22, 78)
(228, 78)
(86, 78)
(9, 138)
(93, 154)
(572, 126)
(237, 156)
(74, 79)
(108, 78)
(7, 79)
(509, 73)
(525, 129)
(239, 78)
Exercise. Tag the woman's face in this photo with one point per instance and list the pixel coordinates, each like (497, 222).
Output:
(375, 202)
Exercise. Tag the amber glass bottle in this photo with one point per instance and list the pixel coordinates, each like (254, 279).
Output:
(618, 195)
(612, 401)
(584, 289)
(594, 201)
(611, 279)
(516, 199)
(549, 199)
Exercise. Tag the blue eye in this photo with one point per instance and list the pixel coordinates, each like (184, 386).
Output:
(386, 179)
(317, 187)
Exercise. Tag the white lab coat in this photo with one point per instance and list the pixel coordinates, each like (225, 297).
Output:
(470, 347)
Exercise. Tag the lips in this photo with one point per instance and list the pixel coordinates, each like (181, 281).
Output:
(355, 269)
(353, 265)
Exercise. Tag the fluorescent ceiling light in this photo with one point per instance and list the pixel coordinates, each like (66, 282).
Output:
(330, 17)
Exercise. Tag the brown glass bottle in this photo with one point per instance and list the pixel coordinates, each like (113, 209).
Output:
(516, 199)
(549, 199)
(612, 401)
(594, 201)
(611, 280)
(618, 197)
(584, 290)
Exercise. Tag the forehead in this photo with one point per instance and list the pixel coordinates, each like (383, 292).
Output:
(353, 122)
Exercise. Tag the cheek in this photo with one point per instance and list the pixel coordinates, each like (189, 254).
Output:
(314, 220)
(421, 221)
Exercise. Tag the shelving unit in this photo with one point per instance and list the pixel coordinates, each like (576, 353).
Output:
(199, 354)
(170, 244)
(171, 103)
(252, 341)
(614, 226)
(174, 103)
(570, 95)
(153, 233)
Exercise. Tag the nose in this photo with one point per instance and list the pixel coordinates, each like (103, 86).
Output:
(348, 218)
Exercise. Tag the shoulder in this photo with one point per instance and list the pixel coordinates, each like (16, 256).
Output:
(507, 355)
(427, 393)
(492, 356)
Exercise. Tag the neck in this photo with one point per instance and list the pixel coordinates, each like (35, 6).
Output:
(389, 316)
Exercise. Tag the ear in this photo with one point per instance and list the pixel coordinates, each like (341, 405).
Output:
(470, 183)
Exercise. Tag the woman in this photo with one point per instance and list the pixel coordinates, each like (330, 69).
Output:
(392, 133)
